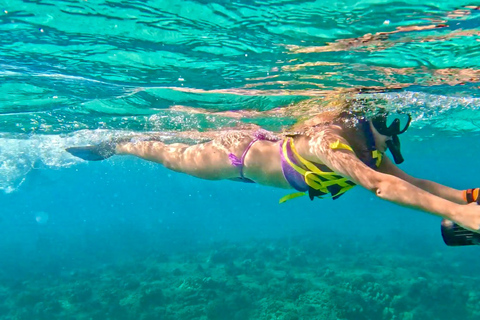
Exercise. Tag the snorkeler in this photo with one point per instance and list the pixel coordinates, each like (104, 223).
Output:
(322, 157)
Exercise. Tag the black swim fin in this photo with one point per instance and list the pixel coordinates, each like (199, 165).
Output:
(97, 152)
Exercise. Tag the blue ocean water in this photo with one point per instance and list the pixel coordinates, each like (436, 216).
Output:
(128, 239)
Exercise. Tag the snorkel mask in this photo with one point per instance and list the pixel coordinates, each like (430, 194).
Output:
(392, 125)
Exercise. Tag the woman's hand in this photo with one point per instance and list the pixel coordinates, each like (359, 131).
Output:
(469, 217)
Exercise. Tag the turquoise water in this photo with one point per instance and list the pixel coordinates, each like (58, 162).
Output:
(127, 239)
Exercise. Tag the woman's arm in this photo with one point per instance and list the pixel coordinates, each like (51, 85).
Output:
(432, 187)
(390, 187)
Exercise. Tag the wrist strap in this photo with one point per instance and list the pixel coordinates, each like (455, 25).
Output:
(472, 195)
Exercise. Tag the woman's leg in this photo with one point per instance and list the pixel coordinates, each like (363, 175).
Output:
(208, 160)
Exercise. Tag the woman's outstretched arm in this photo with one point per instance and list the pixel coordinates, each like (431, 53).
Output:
(390, 187)
(430, 186)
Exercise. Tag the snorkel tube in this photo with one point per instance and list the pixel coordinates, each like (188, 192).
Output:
(392, 131)
(394, 146)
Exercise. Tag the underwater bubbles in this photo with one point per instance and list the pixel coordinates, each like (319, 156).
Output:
(41, 217)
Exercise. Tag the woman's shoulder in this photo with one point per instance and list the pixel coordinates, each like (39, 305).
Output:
(315, 131)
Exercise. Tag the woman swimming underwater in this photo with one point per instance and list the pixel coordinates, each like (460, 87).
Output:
(324, 156)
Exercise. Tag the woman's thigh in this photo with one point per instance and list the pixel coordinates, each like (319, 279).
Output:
(209, 160)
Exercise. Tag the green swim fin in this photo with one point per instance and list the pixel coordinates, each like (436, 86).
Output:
(97, 152)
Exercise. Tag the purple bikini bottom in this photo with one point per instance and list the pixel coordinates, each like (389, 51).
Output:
(259, 135)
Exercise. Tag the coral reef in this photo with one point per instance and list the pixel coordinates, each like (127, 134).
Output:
(284, 279)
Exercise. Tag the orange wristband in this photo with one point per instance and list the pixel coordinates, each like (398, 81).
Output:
(471, 195)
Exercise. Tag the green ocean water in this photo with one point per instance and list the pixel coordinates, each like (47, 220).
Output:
(126, 239)
(71, 65)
